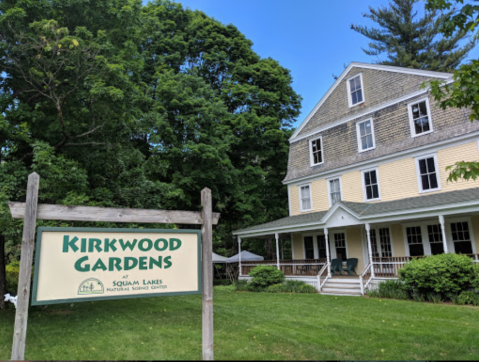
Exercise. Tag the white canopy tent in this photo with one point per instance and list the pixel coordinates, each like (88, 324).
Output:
(245, 256)
(219, 259)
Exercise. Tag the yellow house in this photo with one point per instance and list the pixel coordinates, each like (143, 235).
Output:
(367, 182)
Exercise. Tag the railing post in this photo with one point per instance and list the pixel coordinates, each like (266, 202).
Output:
(443, 231)
(326, 240)
(368, 233)
(276, 235)
(239, 256)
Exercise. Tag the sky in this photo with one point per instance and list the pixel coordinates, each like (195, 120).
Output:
(311, 38)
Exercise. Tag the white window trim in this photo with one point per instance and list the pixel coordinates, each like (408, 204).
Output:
(311, 157)
(304, 245)
(350, 100)
(333, 243)
(418, 173)
(310, 198)
(364, 184)
(450, 242)
(377, 227)
(358, 135)
(425, 238)
(315, 243)
(329, 189)
(411, 123)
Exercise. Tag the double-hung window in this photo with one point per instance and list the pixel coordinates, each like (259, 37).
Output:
(434, 234)
(461, 237)
(334, 189)
(308, 247)
(428, 177)
(355, 90)
(371, 185)
(365, 133)
(414, 240)
(420, 117)
(316, 151)
(305, 198)
(384, 249)
(340, 246)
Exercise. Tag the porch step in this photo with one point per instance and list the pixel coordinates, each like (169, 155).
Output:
(342, 286)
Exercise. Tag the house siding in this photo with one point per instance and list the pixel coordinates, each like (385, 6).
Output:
(298, 247)
(355, 248)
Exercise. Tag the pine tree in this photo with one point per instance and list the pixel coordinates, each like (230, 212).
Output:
(412, 42)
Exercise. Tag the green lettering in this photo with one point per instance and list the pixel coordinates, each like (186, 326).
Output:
(114, 263)
(83, 245)
(134, 262)
(94, 243)
(172, 244)
(143, 263)
(69, 243)
(127, 244)
(99, 265)
(110, 245)
(157, 244)
(81, 268)
(141, 244)
(154, 262)
(167, 262)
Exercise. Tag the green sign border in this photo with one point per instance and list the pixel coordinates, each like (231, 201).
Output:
(38, 245)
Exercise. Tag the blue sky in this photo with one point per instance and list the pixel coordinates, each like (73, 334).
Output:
(311, 38)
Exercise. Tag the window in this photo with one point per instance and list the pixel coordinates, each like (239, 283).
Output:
(305, 197)
(427, 173)
(355, 90)
(414, 240)
(321, 239)
(316, 151)
(308, 247)
(334, 187)
(461, 237)
(371, 185)
(435, 239)
(340, 244)
(419, 118)
(385, 249)
(365, 133)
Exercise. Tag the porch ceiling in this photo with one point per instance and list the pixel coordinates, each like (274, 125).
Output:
(421, 206)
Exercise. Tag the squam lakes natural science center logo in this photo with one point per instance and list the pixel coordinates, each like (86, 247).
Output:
(91, 286)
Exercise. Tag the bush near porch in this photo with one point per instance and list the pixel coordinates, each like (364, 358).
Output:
(436, 278)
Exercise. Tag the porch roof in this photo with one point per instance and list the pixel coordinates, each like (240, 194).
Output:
(434, 204)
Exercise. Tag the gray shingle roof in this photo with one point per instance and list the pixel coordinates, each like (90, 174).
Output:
(379, 208)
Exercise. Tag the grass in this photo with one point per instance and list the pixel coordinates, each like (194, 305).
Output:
(249, 326)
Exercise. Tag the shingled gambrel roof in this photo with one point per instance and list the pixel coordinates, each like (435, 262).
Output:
(372, 210)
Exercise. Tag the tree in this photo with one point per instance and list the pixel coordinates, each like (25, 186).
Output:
(463, 91)
(411, 42)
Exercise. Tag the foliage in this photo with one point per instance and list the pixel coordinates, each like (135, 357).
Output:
(275, 288)
(264, 276)
(412, 43)
(241, 285)
(224, 288)
(394, 289)
(418, 296)
(306, 288)
(221, 282)
(434, 297)
(13, 272)
(443, 273)
(468, 297)
(292, 286)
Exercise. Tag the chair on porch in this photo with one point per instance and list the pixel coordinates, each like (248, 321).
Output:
(336, 265)
(351, 265)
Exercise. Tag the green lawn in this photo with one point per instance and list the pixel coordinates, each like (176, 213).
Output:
(250, 326)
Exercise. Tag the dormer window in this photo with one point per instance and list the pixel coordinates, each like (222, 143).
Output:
(355, 90)
(316, 151)
(420, 117)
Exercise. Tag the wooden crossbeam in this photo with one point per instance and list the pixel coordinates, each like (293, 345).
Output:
(109, 214)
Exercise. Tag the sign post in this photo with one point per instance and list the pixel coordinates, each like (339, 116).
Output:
(85, 253)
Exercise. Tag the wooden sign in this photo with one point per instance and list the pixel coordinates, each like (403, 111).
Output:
(86, 264)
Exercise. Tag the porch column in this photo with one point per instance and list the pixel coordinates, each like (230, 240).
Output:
(443, 231)
(326, 239)
(370, 249)
(239, 255)
(276, 235)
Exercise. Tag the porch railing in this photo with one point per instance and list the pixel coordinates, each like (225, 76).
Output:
(304, 267)
(323, 275)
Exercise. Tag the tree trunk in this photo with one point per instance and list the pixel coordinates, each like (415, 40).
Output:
(3, 274)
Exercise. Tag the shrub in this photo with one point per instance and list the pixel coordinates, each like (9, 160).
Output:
(13, 271)
(264, 276)
(468, 297)
(306, 288)
(292, 286)
(443, 273)
(224, 288)
(255, 288)
(418, 297)
(222, 282)
(275, 288)
(394, 289)
(241, 285)
(434, 297)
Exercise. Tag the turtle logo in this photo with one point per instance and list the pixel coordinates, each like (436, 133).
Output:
(91, 286)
